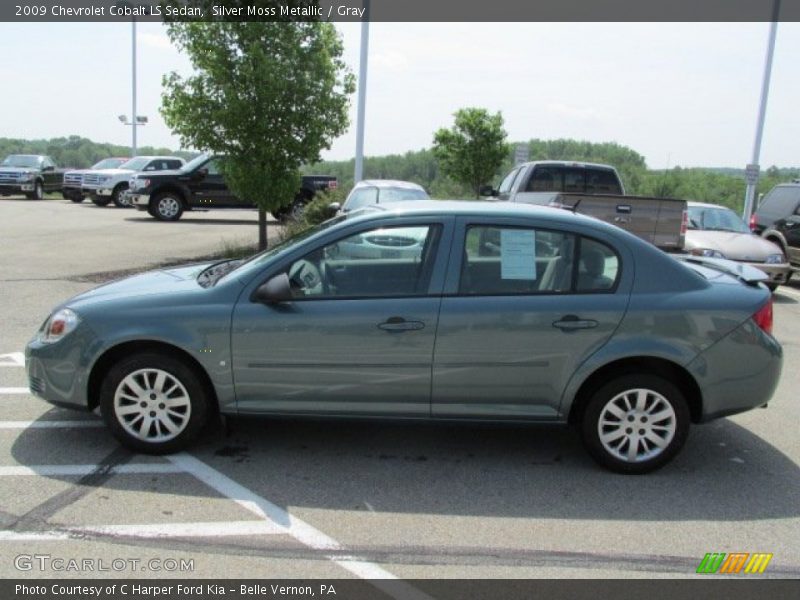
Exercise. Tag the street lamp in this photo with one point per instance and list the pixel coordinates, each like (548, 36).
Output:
(139, 121)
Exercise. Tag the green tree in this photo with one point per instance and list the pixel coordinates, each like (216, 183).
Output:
(268, 96)
(472, 151)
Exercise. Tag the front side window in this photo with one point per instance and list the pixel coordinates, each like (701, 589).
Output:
(212, 167)
(505, 185)
(384, 262)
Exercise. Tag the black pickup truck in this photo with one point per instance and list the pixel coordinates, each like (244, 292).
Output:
(199, 185)
(30, 174)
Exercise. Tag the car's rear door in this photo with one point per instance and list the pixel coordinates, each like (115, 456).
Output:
(358, 338)
(524, 306)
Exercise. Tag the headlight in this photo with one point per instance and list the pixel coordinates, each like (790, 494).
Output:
(140, 184)
(25, 176)
(103, 178)
(775, 259)
(58, 325)
(707, 252)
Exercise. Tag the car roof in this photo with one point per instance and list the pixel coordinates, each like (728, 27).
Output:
(157, 157)
(693, 204)
(569, 163)
(385, 183)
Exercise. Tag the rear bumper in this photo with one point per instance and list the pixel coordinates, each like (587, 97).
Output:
(738, 373)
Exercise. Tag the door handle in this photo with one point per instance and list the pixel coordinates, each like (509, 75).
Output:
(397, 324)
(573, 322)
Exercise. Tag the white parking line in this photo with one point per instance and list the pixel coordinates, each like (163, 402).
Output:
(49, 424)
(298, 529)
(56, 470)
(12, 359)
(149, 531)
(14, 390)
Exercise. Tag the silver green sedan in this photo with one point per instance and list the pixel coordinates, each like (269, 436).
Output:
(506, 312)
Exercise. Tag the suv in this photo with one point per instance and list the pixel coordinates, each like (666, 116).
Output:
(73, 180)
(110, 185)
(30, 174)
(778, 219)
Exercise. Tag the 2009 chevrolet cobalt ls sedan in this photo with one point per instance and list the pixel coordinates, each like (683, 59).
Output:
(506, 312)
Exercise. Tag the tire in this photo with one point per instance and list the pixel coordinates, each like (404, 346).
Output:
(166, 206)
(76, 199)
(37, 193)
(100, 200)
(162, 380)
(116, 196)
(616, 410)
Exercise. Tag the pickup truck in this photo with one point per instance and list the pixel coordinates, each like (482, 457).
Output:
(596, 190)
(30, 174)
(199, 185)
(73, 180)
(109, 185)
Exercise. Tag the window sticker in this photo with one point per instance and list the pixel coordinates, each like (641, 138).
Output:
(518, 254)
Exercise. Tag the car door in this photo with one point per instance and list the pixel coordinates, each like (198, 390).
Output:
(358, 335)
(524, 307)
(208, 187)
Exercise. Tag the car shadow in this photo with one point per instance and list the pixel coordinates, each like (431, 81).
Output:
(187, 220)
(724, 473)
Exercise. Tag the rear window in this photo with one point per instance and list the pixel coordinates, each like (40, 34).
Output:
(576, 180)
(602, 181)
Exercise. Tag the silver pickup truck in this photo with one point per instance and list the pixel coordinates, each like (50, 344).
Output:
(596, 190)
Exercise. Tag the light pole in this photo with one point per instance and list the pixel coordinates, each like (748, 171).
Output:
(134, 119)
(362, 95)
(752, 170)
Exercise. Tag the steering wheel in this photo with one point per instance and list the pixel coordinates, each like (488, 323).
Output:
(305, 276)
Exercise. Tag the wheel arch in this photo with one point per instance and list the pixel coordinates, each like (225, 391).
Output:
(112, 355)
(639, 365)
(171, 188)
(774, 236)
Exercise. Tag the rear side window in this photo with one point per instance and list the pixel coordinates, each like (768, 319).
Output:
(779, 203)
(598, 266)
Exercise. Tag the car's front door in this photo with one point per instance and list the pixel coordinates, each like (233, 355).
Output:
(358, 335)
(209, 189)
(524, 309)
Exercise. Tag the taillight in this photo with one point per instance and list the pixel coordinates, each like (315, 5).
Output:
(753, 222)
(684, 223)
(763, 317)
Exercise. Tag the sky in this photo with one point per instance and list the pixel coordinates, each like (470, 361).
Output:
(681, 94)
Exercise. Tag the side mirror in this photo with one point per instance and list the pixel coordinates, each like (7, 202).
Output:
(487, 190)
(48, 168)
(335, 207)
(200, 173)
(274, 291)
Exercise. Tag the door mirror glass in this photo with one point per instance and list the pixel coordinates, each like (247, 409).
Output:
(487, 190)
(334, 206)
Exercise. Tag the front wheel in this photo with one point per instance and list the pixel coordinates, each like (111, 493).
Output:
(154, 403)
(635, 424)
(116, 196)
(166, 207)
(100, 200)
(76, 199)
(37, 193)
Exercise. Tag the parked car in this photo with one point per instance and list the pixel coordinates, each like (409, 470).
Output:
(719, 232)
(29, 174)
(73, 180)
(595, 190)
(380, 191)
(778, 219)
(110, 185)
(506, 313)
(200, 185)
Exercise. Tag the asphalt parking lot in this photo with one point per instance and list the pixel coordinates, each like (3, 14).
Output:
(283, 499)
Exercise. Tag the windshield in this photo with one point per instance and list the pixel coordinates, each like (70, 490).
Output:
(135, 164)
(21, 160)
(364, 196)
(194, 163)
(255, 262)
(109, 163)
(715, 219)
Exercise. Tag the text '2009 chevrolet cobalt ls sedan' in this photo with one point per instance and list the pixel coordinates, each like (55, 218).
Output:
(505, 312)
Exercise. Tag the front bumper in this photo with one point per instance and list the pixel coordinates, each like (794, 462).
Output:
(778, 273)
(138, 200)
(16, 188)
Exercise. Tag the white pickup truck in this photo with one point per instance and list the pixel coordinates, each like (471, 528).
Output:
(109, 185)
(596, 190)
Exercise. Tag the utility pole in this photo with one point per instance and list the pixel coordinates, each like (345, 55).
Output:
(362, 95)
(752, 170)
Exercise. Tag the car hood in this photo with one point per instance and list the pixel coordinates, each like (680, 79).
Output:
(736, 246)
(151, 283)
(111, 172)
(19, 170)
(159, 174)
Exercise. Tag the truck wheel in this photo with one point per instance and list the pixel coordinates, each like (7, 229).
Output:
(100, 200)
(116, 196)
(167, 206)
(77, 199)
(37, 193)
(635, 424)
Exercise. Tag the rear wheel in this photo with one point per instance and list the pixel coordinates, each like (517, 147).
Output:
(76, 199)
(167, 206)
(154, 403)
(635, 424)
